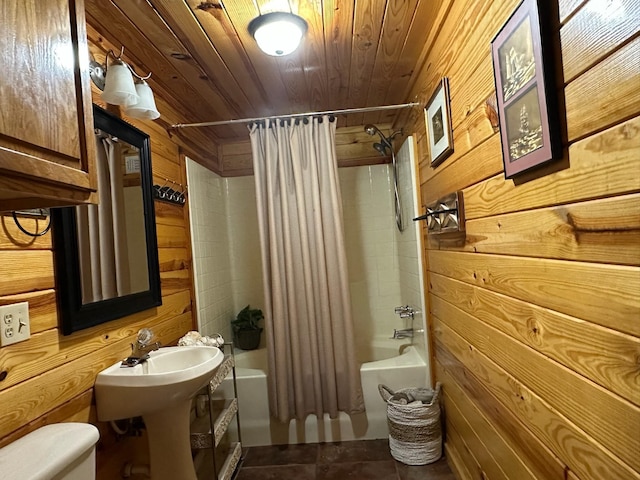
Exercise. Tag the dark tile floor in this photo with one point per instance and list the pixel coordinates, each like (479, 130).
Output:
(358, 460)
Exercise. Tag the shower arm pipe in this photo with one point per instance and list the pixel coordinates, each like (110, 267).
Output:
(344, 111)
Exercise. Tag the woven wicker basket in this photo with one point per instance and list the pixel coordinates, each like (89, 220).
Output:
(413, 416)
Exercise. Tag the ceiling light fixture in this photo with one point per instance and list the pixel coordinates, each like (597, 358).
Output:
(278, 33)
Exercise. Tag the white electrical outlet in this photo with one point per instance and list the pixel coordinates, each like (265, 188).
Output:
(14, 323)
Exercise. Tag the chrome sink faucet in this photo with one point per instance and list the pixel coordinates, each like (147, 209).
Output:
(141, 348)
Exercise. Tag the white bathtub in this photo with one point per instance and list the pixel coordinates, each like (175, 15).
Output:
(387, 366)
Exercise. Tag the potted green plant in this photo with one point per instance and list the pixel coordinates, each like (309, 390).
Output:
(246, 331)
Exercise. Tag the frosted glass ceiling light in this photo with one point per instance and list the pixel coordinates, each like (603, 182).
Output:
(146, 108)
(278, 33)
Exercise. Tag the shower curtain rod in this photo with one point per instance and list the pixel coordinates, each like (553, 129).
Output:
(293, 115)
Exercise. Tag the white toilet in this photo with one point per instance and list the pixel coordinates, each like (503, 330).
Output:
(60, 451)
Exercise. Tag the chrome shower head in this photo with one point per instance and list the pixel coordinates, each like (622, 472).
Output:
(385, 142)
(382, 149)
(372, 130)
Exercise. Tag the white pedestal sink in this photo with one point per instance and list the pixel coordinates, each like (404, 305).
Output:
(160, 390)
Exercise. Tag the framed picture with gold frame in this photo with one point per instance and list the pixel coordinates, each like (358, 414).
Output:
(437, 117)
(523, 66)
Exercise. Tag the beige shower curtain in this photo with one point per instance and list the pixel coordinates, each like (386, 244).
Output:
(309, 329)
(102, 234)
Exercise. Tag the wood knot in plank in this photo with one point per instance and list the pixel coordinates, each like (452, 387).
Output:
(491, 111)
(206, 6)
(629, 131)
(534, 331)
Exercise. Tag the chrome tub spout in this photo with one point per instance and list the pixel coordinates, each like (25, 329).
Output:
(402, 333)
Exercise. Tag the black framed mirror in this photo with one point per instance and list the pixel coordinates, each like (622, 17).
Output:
(106, 255)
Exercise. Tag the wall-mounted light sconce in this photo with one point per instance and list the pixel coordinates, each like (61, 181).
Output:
(445, 216)
(116, 80)
(278, 33)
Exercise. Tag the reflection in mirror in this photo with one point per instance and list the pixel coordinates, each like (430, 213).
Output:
(111, 239)
(106, 254)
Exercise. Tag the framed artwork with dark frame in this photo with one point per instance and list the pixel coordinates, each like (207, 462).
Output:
(523, 66)
(437, 117)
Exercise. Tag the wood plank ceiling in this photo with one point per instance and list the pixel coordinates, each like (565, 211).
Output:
(207, 67)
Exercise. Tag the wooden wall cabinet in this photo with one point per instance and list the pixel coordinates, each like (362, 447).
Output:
(47, 149)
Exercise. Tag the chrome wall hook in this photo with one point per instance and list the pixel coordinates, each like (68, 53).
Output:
(171, 192)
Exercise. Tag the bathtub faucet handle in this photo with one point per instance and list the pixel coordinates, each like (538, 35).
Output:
(405, 311)
(402, 309)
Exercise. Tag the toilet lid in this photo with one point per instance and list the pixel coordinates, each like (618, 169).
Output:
(47, 451)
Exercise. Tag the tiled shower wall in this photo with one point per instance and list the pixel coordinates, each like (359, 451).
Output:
(244, 243)
(372, 250)
(409, 247)
(226, 247)
(210, 242)
(383, 263)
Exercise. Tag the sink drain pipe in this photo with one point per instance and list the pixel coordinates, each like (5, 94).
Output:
(131, 469)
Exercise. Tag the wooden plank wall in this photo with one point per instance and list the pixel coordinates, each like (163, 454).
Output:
(354, 147)
(536, 319)
(50, 377)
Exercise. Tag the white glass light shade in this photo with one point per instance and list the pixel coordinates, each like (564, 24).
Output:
(278, 33)
(146, 108)
(119, 88)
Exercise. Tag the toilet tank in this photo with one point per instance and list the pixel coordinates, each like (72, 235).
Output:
(60, 451)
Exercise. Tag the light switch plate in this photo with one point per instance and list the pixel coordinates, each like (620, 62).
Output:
(14, 323)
